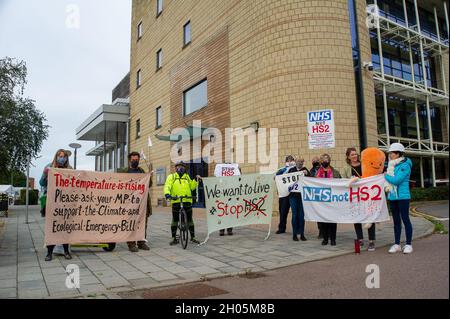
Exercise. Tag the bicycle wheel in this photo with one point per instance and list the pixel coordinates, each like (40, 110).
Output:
(184, 232)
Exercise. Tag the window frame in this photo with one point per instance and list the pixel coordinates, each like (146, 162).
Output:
(138, 79)
(140, 31)
(185, 44)
(158, 117)
(138, 128)
(159, 59)
(159, 7)
(189, 89)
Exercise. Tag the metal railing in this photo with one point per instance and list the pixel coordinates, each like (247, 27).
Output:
(414, 145)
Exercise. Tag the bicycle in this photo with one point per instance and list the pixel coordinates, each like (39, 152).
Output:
(183, 221)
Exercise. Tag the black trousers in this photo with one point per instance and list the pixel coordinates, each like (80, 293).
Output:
(284, 206)
(176, 218)
(329, 230)
(132, 243)
(229, 230)
(359, 231)
(51, 247)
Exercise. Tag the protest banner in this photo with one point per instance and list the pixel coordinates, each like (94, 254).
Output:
(334, 201)
(286, 182)
(238, 201)
(321, 129)
(92, 207)
(227, 170)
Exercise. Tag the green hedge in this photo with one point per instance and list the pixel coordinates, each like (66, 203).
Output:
(33, 195)
(429, 194)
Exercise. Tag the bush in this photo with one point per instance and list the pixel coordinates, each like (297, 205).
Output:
(33, 196)
(429, 194)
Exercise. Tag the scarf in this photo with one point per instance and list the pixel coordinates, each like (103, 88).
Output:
(390, 171)
(321, 172)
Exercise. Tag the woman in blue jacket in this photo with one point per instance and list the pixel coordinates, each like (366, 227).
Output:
(397, 177)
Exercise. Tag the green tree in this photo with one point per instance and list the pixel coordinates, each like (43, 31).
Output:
(22, 126)
(18, 178)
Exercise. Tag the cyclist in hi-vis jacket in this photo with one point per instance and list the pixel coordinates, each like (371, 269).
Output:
(180, 184)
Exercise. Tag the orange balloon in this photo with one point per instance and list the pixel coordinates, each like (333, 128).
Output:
(372, 162)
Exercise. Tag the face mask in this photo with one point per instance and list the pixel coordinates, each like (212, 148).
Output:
(181, 171)
(61, 161)
(134, 164)
(325, 164)
(316, 164)
(292, 163)
(299, 165)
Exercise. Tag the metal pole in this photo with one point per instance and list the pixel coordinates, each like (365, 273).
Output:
(380, 53)
(411, 60)
(446, 18)
(386, 116)
(27, 189)
(416, 110)
(116, 151)
(104, 148)
(430, 132)
(441, 61)
(422, 181)
(380, 46)
(433, 170)
(422, 58)
(75, 159)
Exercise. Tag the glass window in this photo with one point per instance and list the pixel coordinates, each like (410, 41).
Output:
(139, 31)
(138, 128)
(138, 78)
(195, 98)
(159, 59)
(159, 7)
(158, 117)
(187, 33)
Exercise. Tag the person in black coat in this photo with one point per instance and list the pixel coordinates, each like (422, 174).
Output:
(295, 201)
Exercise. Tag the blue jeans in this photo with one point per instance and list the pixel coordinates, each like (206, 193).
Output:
(298, 215)
(400, 212)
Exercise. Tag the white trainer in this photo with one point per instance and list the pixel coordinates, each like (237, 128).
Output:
(407, 249)
(395, 249)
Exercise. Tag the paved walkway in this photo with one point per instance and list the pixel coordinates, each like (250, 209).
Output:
(437, 210)
(25, 274)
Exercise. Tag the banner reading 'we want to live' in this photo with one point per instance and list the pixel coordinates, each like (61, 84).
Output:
(92, 207)
(238, 200)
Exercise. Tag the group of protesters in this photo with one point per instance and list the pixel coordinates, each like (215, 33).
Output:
(396, 172)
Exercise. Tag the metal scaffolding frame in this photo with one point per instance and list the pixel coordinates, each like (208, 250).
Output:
(412, 38)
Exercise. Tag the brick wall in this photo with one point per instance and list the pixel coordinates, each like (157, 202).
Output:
(268, 61)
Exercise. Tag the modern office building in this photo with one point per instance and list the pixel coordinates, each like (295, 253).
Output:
(265, 64)
(108, 128)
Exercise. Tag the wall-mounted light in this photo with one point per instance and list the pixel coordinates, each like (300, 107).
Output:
(255, 126)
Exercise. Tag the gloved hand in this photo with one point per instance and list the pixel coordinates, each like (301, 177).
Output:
(168, 196)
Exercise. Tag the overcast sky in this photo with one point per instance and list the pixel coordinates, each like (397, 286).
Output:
(72, 68)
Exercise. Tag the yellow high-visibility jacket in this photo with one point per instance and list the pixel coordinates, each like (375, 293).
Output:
(179, 186)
